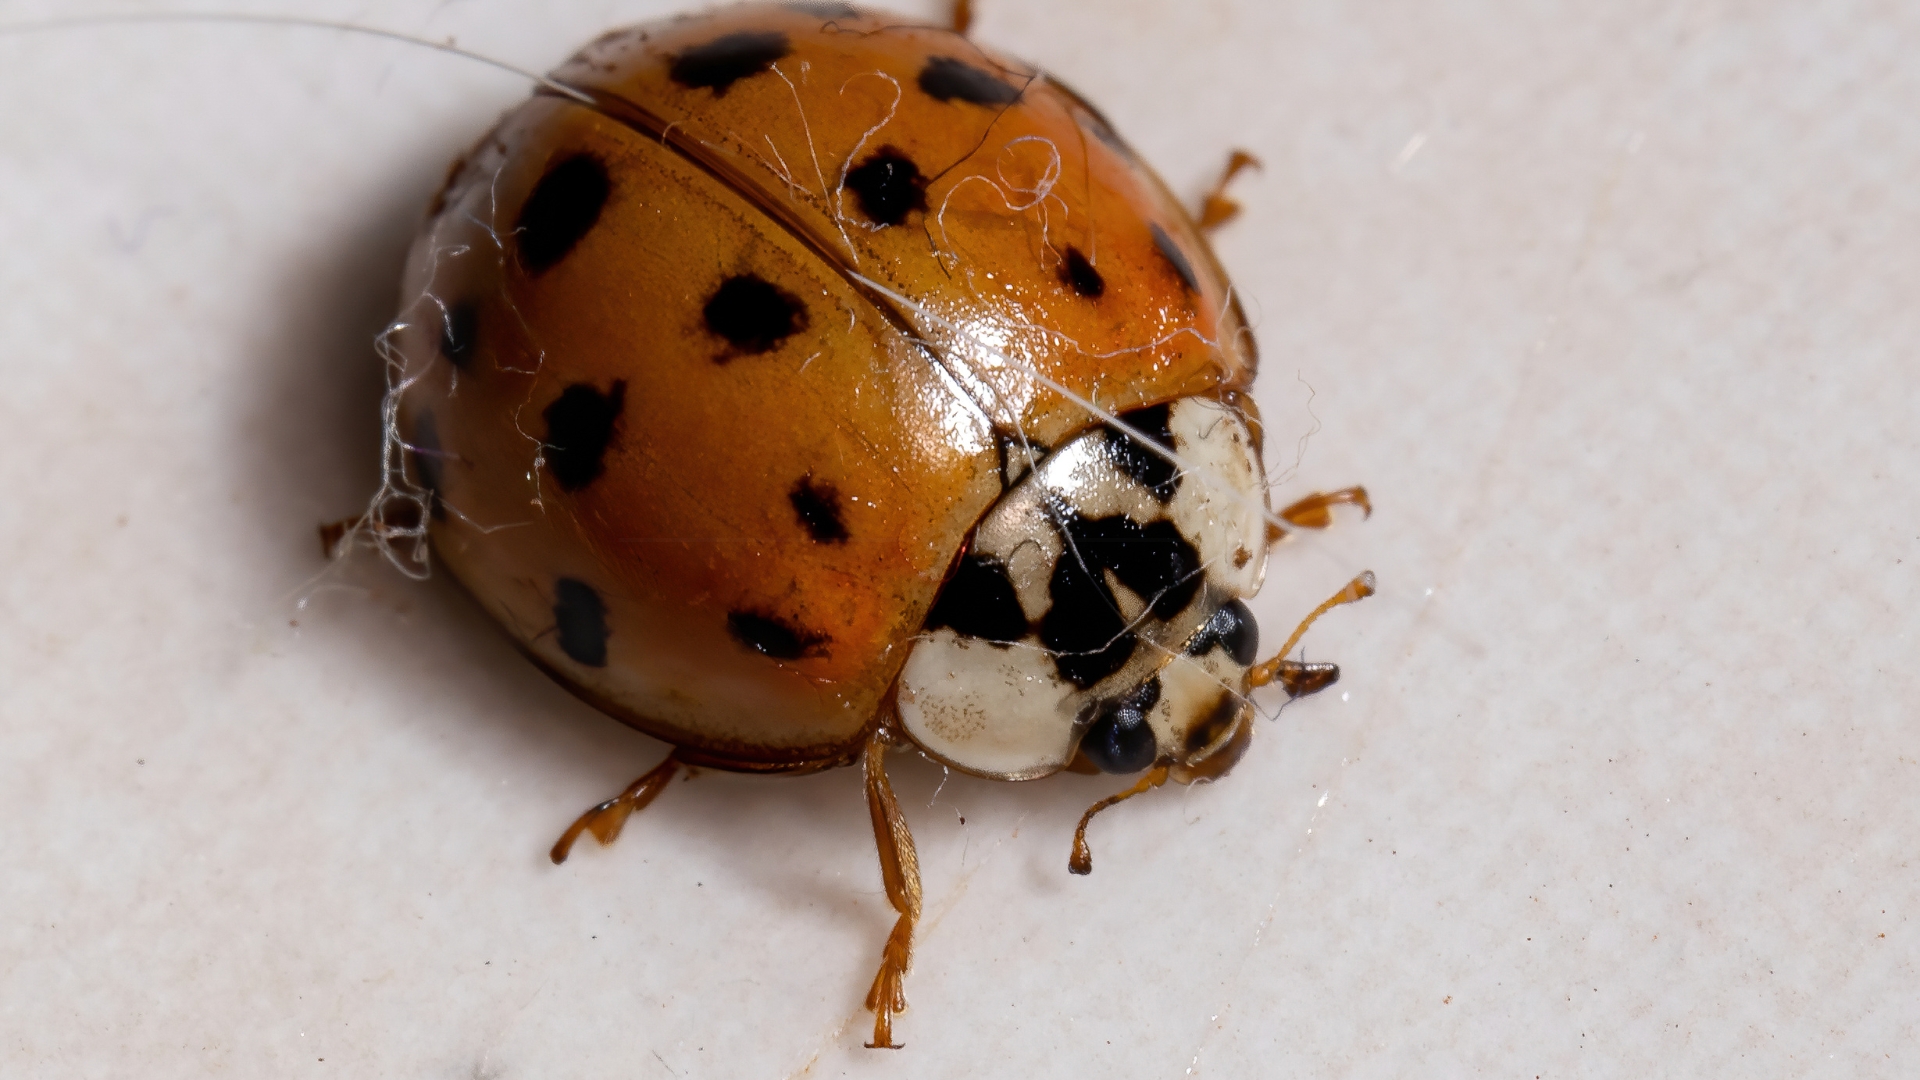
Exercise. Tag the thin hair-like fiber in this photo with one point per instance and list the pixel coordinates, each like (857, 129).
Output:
(395, 522)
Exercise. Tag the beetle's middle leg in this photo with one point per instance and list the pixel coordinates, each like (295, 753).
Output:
(606, 819)
(900, 869)
(1215, 208)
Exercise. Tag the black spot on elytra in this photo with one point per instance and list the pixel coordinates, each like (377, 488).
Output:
(1175, 258)
(459, 324)
(1151, 470)
(889, 186)
(1120, 741)
(979, 601)
(1091, 118)
(1080, 274)
(580, 622)
(424, 450)
(826, 11)
(727, 59)
(772, 636)
(818, 506)
(564, 205)
(580, 425)
(753, 315)
(1102, 129)
(1233, 628)
(945, 79)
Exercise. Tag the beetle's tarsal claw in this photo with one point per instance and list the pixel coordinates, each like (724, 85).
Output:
(888, 994)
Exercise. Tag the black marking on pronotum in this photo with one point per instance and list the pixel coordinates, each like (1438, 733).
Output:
(889, 186)
(979, 601)
(580, 622)
(1153, 560)
(1232, 628)
(771, 635)
(753, 315)
(1175, 258)
(459, 324)
(1083, 626)
(1151, 470)
(727, 59)
(818, 507)
(945, 79)
(1120, 741)
(564, 205)
(580, 425)
(1077, 272)
(424, 450)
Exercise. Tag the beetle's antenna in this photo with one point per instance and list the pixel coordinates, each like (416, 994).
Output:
(1359, 588)
(230, 18)
(1081, 861)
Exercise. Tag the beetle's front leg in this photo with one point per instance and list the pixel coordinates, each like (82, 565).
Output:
(1315, 511)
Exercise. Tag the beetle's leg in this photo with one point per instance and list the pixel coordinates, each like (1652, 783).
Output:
(332, 532)
(385, 522)
(1298, 678)
(1081, 861)
(1316, 510)
(1215, 208)
(900, 869)
(962, 16)
(606, 819)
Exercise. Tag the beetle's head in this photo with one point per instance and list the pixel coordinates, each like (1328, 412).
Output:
(1192, 713)
(1096, 618)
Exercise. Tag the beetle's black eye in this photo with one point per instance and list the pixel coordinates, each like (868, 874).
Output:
(1232, 626)
(1120, 741)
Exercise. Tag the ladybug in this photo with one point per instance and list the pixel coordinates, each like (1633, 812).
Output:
(794, 382)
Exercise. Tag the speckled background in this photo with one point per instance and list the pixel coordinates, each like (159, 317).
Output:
(1611, 310)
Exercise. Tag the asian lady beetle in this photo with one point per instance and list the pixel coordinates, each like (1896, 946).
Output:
(792, 382)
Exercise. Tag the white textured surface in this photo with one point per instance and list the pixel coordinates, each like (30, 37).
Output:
(1614, 313)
